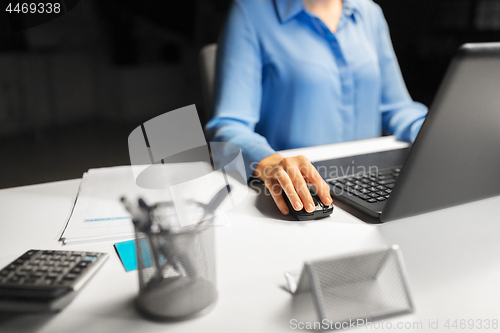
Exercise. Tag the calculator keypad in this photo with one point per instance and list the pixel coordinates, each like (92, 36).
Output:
(39, 269)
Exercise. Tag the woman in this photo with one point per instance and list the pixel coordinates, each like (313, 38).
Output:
(299, 73)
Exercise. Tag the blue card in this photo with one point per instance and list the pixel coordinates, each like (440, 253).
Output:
(127, 253)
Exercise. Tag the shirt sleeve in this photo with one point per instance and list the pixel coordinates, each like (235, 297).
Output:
(238, 89)
(401, 116)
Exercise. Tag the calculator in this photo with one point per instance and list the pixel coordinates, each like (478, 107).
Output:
(46, 281)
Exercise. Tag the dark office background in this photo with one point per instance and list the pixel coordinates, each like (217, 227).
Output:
(71, 90)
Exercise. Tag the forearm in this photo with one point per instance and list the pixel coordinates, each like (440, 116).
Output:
(254, 147)
(404, 122)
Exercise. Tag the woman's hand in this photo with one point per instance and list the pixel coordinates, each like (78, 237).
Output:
(291, 174)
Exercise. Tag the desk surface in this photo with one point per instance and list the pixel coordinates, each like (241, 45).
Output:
(452, 258)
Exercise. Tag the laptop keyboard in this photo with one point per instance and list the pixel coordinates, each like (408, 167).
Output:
(370, 187)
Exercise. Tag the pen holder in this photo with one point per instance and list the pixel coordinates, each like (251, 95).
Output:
(176, 272)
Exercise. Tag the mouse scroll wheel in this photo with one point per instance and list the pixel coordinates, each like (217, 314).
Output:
(321, 204)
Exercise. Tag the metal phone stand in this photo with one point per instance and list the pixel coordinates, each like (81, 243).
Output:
(369, 286)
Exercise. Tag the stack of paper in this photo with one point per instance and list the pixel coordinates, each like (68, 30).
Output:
(98, 213)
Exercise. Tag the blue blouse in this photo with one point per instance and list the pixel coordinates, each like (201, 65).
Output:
(284, 80)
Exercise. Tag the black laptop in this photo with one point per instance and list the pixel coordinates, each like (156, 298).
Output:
(455, 158)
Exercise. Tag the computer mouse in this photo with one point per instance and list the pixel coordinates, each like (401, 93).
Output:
(320, 209)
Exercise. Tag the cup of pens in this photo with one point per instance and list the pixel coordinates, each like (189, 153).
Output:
(176, 265)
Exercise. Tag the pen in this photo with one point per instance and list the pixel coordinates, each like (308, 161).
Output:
(188, 255)
(139, 218)
(216, 201)
(142, 220)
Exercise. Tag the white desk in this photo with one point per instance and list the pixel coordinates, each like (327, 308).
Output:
(452, 257)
